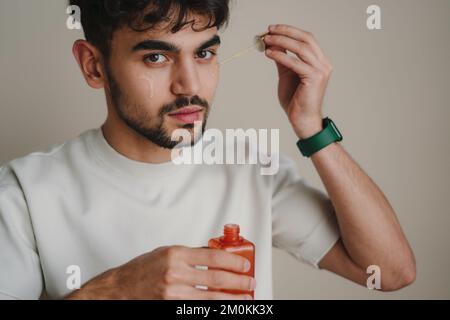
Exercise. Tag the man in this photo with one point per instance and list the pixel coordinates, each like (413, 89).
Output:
(111, 205)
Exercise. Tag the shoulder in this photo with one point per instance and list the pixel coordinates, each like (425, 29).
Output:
(38, 165)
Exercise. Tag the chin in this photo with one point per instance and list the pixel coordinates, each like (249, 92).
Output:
(193, 135)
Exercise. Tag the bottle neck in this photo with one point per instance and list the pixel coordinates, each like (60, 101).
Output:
(231, 233)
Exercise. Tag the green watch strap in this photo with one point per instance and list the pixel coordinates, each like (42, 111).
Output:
(317, 142)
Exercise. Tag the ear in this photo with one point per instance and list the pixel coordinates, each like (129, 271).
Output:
(89, 61)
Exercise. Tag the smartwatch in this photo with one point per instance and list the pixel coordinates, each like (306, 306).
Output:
(317, 142)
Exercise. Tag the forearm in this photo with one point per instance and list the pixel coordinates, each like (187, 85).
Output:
(370, 231)
(102, 287)
(369, 228)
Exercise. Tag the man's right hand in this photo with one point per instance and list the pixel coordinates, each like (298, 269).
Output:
(169, 273)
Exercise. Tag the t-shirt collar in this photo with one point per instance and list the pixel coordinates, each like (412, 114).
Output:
(138, 169)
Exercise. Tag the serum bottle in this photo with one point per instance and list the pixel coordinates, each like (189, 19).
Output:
(232, 242)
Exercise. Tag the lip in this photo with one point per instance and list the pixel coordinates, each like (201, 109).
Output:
(187, 115)
(186, 110)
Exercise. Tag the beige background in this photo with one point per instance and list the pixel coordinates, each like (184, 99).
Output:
(389, 95)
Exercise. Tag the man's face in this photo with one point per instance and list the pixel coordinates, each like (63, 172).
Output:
(154, 74)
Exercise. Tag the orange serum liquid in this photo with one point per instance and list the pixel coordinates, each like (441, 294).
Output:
(232, 242)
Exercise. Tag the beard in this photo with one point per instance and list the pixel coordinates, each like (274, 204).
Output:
(153, 127)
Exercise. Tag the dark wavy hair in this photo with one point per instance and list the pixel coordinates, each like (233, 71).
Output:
(100, 18)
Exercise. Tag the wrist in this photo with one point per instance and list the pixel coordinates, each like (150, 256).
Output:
(308, 130)
(105, 286)
(309, 145)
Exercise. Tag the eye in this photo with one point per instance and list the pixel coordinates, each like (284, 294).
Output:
(206, 54)
(155, 58)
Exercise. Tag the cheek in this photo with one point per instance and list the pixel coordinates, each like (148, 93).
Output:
(147, 86)
(138, 83)
(143, 88)
(210, 79)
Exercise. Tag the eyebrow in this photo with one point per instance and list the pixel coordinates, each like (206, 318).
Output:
(170, 47)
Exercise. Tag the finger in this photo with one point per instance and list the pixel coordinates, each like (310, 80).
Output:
(219, 279)
(275, 48)
(217, 295)
(296, 65)
(185, 292)
(215, 258)
(301, 49)
(177, 292)
(282, 70)
(298, 34)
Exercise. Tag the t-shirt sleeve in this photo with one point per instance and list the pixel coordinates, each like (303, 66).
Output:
(20, 271)
(303, 218)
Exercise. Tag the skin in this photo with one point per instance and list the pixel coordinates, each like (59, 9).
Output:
(168, 273)
(370, 232)
(169, 74)
(147, 85)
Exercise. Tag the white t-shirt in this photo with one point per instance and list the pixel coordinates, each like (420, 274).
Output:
(84, 204)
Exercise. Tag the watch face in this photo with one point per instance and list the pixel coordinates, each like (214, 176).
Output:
(335, 129)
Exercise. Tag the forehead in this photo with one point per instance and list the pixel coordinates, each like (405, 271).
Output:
(187, 38)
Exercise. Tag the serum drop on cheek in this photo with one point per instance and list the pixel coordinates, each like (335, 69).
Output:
(232, 242)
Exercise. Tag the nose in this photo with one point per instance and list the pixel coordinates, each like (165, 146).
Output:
(186, 79)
